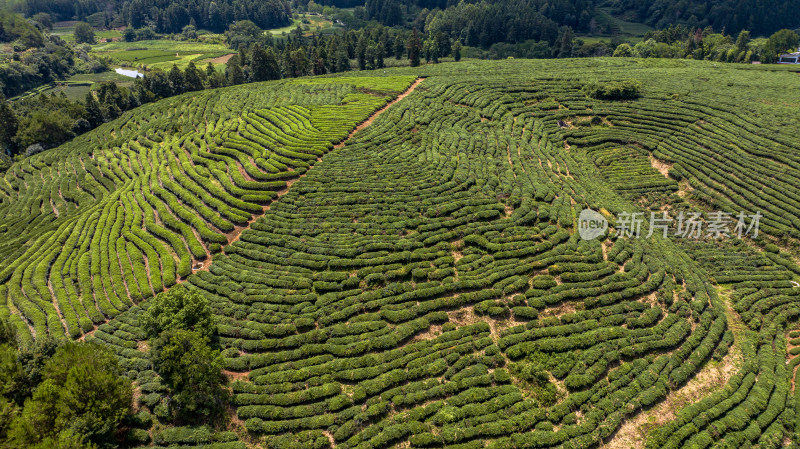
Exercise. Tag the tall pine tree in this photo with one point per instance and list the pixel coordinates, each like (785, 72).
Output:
(192, 78)
(258, 64)
(342, 61)
(233, 71)
(272, 65)
(361, 51)
(414, 47)
(176, 80)
(8, 125)
(93, 113)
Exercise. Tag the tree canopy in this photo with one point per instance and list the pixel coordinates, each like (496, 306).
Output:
(80, 397)
(178, 309)
(84, 33)
(184, 352)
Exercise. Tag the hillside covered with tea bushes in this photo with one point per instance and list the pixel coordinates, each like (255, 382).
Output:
(416, 278)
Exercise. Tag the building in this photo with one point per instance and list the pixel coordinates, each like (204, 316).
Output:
(790, 58)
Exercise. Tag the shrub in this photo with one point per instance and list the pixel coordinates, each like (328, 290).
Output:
(615, 90)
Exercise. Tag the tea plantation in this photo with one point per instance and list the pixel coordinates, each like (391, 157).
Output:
(423, 282)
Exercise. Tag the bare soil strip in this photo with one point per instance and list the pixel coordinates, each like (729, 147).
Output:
(662, 166)
(220, 60)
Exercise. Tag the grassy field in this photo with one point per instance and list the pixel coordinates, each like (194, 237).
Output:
(68, 33)
(597, 39)
(629, 31)
(76, 87)
(162, 53)
(315, 24)
(621, 26)
(395, 258)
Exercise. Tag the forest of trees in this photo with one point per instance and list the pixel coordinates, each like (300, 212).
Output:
(678, 41)
(481, 17)
(73, 395)
(760, 17)
(38, 58)
(480, 22)
(170, 16)
(164, 16)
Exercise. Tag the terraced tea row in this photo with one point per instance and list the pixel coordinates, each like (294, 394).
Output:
(441, 298)
(123, 213)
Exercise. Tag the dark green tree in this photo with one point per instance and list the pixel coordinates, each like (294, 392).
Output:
(93, 113)
(32, 359)
(301, 62)
(189, 32)
(442, 44)
(380, 54)
(183, 347)
(84, 33)
(11, 380)
(7, 334)
(264, 65)
(216, 21)
(399, 47)
(243, 33)
(8, 124)
(331, 53)
(44, 19)
(176, 80)
(564, 43)
(214, 77)
(192, 370)
(370, 56)
(178, 308)
(233, 71)
(157, 82)
(342, 61)
(82, 398)
(320, 63)
(113, 99)
(192, 78)
(361, 51)
(431, 50)
(49, 128)
(414, 47)
(457, 50)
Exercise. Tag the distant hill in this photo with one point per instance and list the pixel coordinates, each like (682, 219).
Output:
(168, 16)
(760, 17)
